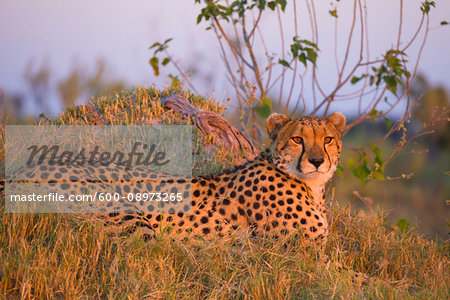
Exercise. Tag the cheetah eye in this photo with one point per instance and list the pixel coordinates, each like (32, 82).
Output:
(328, 139)
(297, 140)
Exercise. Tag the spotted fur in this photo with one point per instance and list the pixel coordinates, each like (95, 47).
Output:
(279, 192)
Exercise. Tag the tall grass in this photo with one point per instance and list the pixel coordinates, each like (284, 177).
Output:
(53, 256)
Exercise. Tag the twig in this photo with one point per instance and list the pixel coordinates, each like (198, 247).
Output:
(255, 67)
(280, 23)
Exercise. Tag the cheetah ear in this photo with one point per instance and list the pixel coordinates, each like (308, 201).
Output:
(338, 120)
(274, 124)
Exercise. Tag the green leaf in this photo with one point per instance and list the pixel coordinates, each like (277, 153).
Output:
(165, 61)
(264, 108)
(160, 47)
(302, 58)
(175, 81)
(362, 171)
(339, 170)
(284, 63)
(199, 18)
(388, 123)
(261, 4)
(351, 163)
(309, 43)
(155, 45)
(378, 175)
(379, 164)
(391, 82)
(311, 55)
(375, 112)
(302, 52)
(282, 4)
(271, 5)
(154, 62)
(333, 13)
(403, 224)
(356, 79)
(267, 101)
(444, 23)
(378, 157)
(426, 6)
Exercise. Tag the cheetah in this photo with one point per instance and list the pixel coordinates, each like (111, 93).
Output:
(280, 192)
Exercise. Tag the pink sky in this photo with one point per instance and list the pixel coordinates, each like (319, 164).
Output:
(69, 33)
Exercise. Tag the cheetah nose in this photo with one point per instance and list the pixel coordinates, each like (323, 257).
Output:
(316, 161)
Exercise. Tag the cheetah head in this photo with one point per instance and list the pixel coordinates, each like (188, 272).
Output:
(308, 147)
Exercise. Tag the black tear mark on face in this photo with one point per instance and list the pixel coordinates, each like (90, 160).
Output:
(299, 164)
(329, 159)
(325, 149)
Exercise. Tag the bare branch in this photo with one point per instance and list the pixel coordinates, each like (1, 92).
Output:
(280, 23)
(255, 66)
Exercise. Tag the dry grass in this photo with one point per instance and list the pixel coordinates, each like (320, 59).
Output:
(52, 256)
(139, 106)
